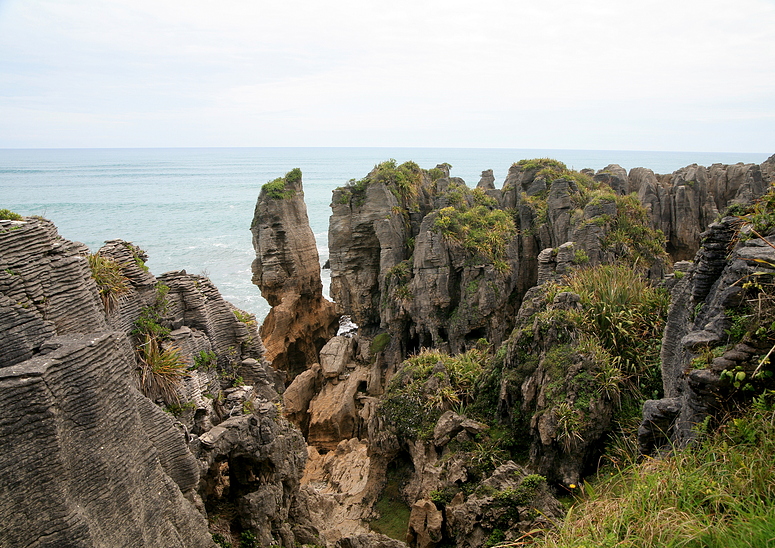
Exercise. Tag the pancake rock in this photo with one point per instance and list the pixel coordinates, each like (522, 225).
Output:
(87, 460)
(287, 270)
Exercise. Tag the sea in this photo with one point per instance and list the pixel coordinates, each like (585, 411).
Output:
(191, 208)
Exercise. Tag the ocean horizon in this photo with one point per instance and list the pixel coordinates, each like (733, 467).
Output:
(191, 208)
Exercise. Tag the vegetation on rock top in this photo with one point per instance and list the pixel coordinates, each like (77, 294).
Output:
(8, 215)
(473, 221)
(276, 189)
(427, 384)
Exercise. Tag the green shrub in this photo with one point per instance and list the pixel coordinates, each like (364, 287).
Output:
(149, 323)
(221, 541)
(410, 410)
(161, 370)
(8, 215)
(293, 176)
(483, 232)
(540, 163)
(623, 311)
(631, 237)
(245, 317)
(276, 190)
(110, 280)
(205, 360)
(761, 215)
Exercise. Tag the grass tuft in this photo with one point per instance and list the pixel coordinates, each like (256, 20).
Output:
(110, 280)
(719, 493)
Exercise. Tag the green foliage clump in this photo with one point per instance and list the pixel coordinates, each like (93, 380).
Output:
(110, 280)
(436, 174)
(205, 360)
(245, 317)
(8, 215)
(483, 232)
(276, 190)
(161, 369)
(293, 176)
(523, 493)
(539, 164)
(221, 541)
(404, 180)
(718, 493)
(161, 366)
(623, 312)
(761, 214)
(631, 237)
(428, 383)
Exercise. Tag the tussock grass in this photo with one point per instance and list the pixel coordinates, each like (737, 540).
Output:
(110, 280)
(161, 370)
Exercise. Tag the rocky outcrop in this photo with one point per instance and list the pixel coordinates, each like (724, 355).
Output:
(251, 466)
(287, 270)
(86, 460)
(684, 203)
(341, 485)
(704, 359)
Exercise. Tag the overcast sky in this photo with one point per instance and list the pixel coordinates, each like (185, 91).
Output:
(683, 75)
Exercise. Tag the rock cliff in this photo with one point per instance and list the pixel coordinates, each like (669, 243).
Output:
(495, 326)
(287, 270)
(419, 260)
(87, 460)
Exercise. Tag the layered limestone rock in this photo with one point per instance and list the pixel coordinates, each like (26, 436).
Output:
(700, 367)
(341, 485)
(251, 465)
(684, 203)
(395, 269)
(287, 270)
(398, 264)
(88, 461)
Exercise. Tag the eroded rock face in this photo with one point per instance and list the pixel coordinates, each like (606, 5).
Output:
(341, 485)
(253, 464)
(527, 504)
(699, 321)
(683, 204)
(87, 460)
(287, 270)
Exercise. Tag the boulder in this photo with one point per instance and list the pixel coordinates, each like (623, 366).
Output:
(425, 525)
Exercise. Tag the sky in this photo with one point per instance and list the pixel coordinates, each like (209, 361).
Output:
(677, 75)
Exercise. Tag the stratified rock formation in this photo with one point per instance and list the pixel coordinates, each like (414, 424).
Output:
(287, 270)
(421, 256)
(86, 460)
(89, 460)
(706, 365)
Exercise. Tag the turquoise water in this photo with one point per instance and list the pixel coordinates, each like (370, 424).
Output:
(192, 208)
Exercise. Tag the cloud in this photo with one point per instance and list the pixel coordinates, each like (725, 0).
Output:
(180, 73)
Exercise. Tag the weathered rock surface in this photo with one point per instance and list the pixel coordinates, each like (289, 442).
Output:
(287, 270)
(699, 321)
(252, 464)
(425, 524)
(510, 500)
(86, 461)
(341, 485)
